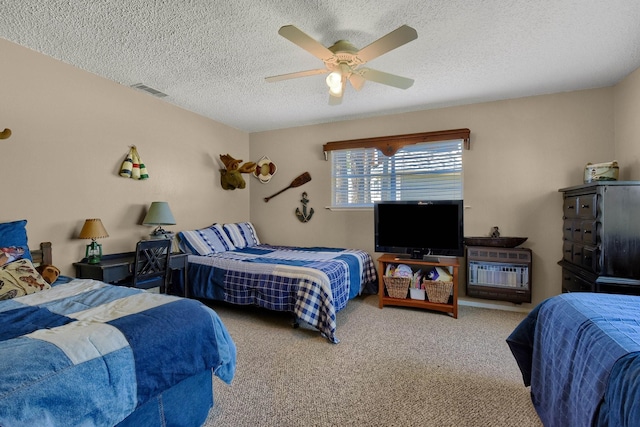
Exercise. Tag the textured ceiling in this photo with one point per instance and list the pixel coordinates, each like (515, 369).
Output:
(211, 56)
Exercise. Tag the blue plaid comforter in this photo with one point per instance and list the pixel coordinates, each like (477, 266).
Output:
(313, 283)
(88, 353)
(580, 354)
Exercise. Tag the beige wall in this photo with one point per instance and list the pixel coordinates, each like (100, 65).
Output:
(522, 152)
(71, 131)
(627, 126)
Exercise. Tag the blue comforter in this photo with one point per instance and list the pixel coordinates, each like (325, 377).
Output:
(579, 352)
(313, 283)
(88, 353)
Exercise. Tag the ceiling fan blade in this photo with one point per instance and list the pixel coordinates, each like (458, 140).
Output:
(385, 78)
(296, 75)
(384, 44)
(294, 35)
(357, 81)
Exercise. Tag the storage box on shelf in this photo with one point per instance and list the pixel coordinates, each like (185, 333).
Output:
(416, 293)
(438, 289)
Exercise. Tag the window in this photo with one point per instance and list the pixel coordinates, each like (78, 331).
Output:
(362, 175)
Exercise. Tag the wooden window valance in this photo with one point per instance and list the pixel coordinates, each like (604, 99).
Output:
(388, 145)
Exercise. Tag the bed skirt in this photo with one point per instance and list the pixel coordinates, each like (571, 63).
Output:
(186, 404)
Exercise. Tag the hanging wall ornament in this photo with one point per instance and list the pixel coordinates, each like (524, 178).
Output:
(143, 169)
(135, 170)
(132, 167)
(265, 169)
(303, 216)
(127, 165)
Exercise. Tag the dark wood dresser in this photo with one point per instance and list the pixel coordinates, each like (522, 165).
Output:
(601, 237)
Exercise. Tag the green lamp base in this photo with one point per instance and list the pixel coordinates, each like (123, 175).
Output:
(94, 252)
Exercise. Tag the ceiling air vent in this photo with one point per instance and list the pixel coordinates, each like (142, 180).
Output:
(149, 90)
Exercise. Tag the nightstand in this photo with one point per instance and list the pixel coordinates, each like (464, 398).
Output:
(115, 268)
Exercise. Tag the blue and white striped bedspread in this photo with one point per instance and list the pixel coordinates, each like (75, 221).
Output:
(313, 283)
(566, 349)
(88, 353)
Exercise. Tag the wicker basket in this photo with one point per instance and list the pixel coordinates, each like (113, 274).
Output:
(437, 291)
(397, 287)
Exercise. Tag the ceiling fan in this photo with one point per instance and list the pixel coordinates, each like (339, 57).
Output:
(343, 61)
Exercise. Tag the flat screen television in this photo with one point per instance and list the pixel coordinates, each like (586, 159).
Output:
(420, 229)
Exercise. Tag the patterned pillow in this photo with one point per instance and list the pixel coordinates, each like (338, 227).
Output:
(242, 234)
(15, 234)
(20, 278)
(207, 241)
(10, 254)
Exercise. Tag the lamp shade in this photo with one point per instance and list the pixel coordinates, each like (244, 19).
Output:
(93, 229)
(159, 214)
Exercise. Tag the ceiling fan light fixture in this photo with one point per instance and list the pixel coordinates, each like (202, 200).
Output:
(334, 81)
(335, 91)
(343, 60)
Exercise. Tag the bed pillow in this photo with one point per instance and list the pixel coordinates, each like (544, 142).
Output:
(242, 234)
(206, 241)
(20, 278)
(10, 254)
(15, 234)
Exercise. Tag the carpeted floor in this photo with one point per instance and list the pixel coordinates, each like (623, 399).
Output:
(393, 367)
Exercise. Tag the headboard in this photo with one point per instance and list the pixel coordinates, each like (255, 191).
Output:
(42, 255)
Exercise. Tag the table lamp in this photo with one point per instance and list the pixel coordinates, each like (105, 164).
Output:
(159, 214)
(93, 229)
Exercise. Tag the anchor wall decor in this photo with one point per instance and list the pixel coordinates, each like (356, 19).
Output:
(303, 216)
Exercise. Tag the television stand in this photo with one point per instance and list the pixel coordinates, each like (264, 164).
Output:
(446, 262)
(409, 258)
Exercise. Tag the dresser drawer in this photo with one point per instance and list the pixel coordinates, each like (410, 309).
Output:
(570, 207)
(567, 251)
(573, 283)
(580, 231)
(591, 258)
(581, 206)
(589, 232)
(568, 229)
(577, 254)
(587, 257)
(586, 206)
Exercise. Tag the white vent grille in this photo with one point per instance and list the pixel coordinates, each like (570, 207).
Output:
(499, 275)
(149, 90)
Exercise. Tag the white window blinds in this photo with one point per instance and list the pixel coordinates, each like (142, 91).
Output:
(422, 171)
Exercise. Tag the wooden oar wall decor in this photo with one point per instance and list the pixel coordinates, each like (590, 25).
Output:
(300, 180)
(5, 134)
